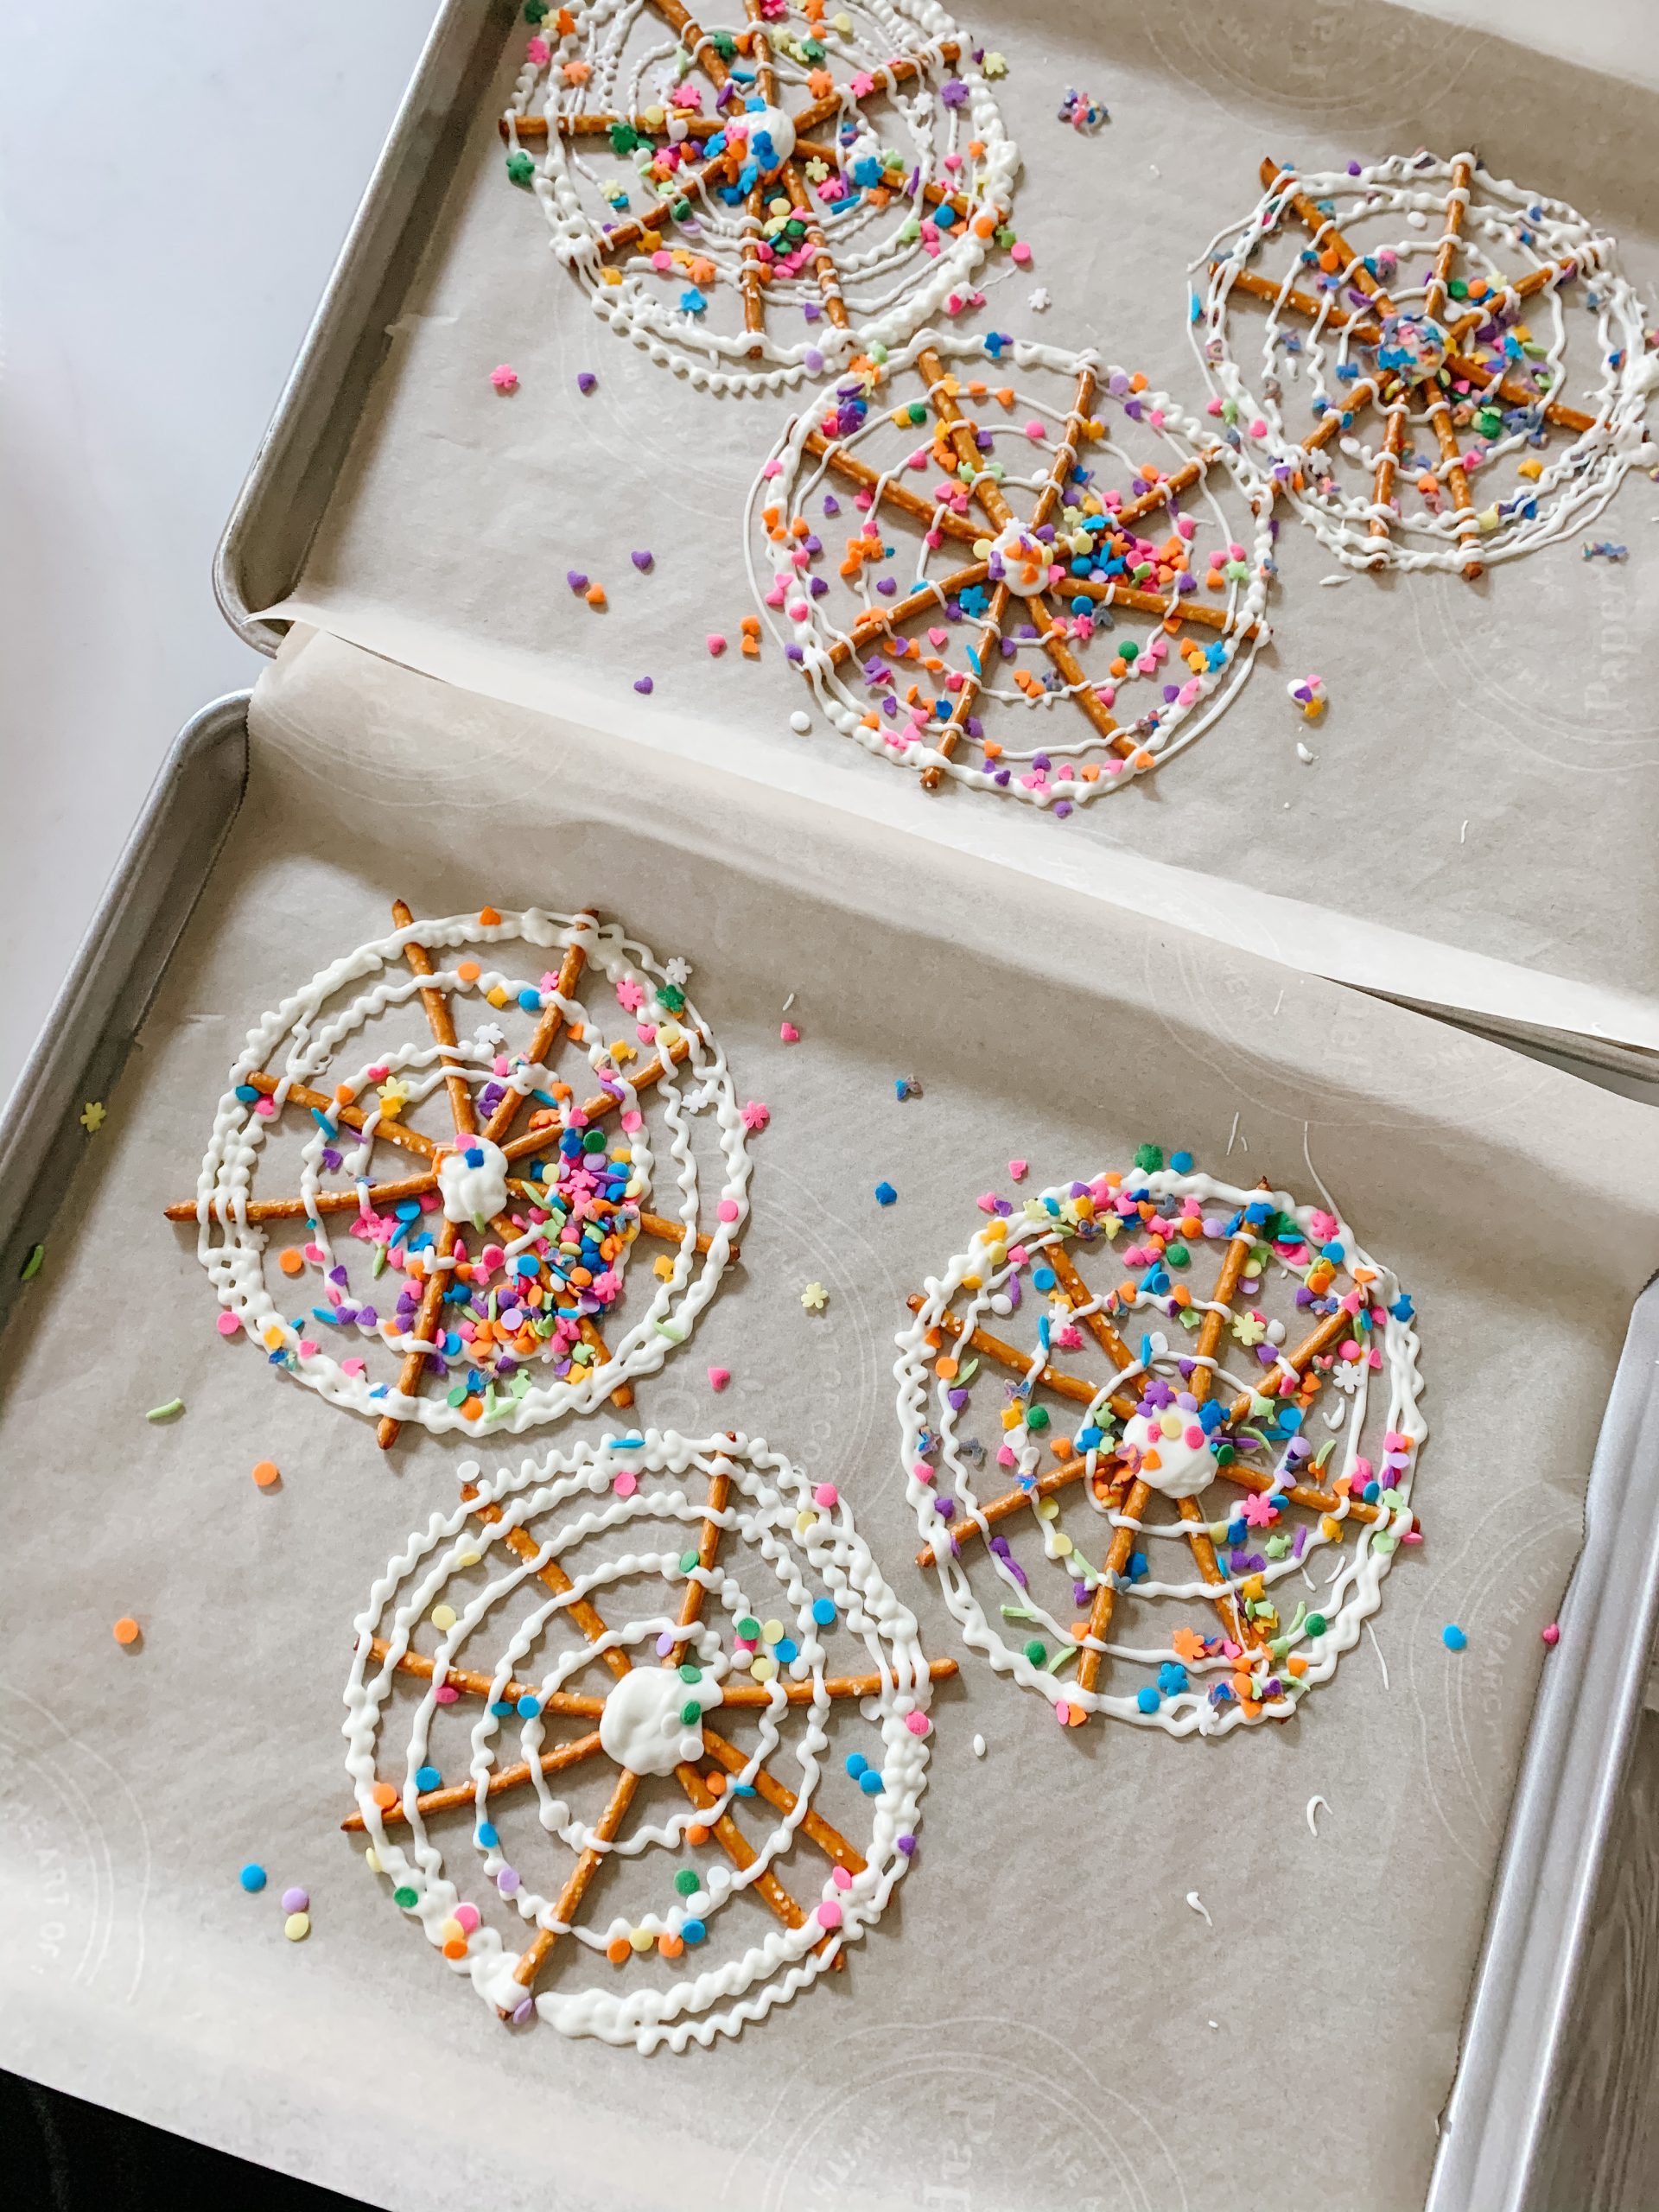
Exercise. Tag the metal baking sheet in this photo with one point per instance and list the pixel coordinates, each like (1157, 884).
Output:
(1496, 2129)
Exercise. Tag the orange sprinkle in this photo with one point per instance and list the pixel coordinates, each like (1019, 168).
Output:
(266, 1472)
(697, 1833)
(384, 1795)
(291, 1260)
(488, 917)
(618, 1950)
(469, 971)
(456, 1947)
(126, 1630)
(716, 1784)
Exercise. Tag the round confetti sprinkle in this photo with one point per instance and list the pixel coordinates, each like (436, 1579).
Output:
(252, 1877)
(126, 1630)
(1453, 1638)
(800, 721)
(296, 1901)
(297, 1927)
(266, 1473)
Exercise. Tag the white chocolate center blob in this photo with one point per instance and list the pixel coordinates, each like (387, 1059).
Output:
(1180, 1464)
(473, 1182)
(773, 124)
(642, 1726)
(1023, 558)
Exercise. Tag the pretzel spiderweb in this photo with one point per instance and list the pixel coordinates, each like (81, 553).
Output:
(665, 1622)
(1436, 368)
(502, 1178)
(1042, 588)
(780, 193)
(1237, 1385)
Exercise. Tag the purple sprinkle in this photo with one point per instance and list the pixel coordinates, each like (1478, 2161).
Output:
(586, 380)
(792, 652)
(956, 1399)
(945, 1508)
(576, 581)
(1301, 1544)
(906, 1844)
(507, 1881)
(642, 683)
(831, 504)
(641, 561)
(523, 2010)
(887, 586)
(297, 1901)
(819, 586)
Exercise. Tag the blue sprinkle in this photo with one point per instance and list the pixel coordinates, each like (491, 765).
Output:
(1043, 1278)
(857, 1764)
(743, 1789)
(1332, 1251)
(502, 1708)
(529, 1707)
(1181, 1162)
(1453, 1638)
(692, 1931)
(823, 1612)
(885, 1194)
(870, 1782)
(252, 1877)
(428, 1777)
(1147, 1699)
(487, 1838)
(530, 1001)
(1402, 1309)
(246, 1093)
(474, 1156)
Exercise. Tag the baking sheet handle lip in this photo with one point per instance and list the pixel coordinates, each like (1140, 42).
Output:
(337, 328)
(133, 904)
(1498, 2119)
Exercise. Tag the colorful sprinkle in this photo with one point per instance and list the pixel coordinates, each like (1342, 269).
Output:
(885, 1194)
(253, 1878)
(1453, 1638)
(126, 1631)
(504, 378)
(169, 1412)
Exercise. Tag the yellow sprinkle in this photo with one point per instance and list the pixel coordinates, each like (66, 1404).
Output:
(272, 1336)
(1063, 1544)
(1011, 1417)
(641, 1939)
(1330, 1529)
(443, 1616)
(372, 1859)
(467, 1558)
(762, 1670)
(611, 276)
(662, 1268)
(297, 1927)
(772, 1631)
(497, 996)
(1049, 1508)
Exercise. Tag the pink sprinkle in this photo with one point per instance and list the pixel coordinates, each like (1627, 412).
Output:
(537, 53)
(773, 468)
(1005, 1455)
(632, 1120)
(986, 1203)
(353, 1367)
(228, 1324)
(719, 1378)
(1553, 1633)
(917, 1723)
(504, 378)
(756, 1115)
(625, 1484)
(467, 1918)
(826, 1495)
(1019, 1169)
(841, 1877)
(715, 643)
(1062, 1713)
(308, 1350)
(922, 1471)
(829, 1914)
(1020, 251)
(790, 1034)
(728, 1209)
(265, 1106)
(445, 1694)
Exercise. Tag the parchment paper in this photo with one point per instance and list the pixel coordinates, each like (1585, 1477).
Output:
(1487, 775)
(1041, 2018)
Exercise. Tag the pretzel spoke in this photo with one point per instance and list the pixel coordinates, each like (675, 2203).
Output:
(932, 518)
(1457, 198)
(822, 260)
(1387, 461)
(545, 1037)
(1440, 415)
(999, 1509)
(1317, 309)
(829, 1840)
(576, 1886)
(1354, 270)
(879, 620)
(450, 1798)
(1516, 395)
(736, 1846)
(992, 1348)
(1105, 1601)
(960, 432)
(435, 1000)
(1080, 690)
(1224, 1596)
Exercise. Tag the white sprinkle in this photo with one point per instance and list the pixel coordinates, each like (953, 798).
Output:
(1039, 300)
(1198, 1905)
(1463, 833)
(1377, 1648)
(1213, 2023)
(1232, 1137)
(1313, 1824)
(1329, 583)
(800, 721)
(1302, 752)
(1154, 167)
(979, 1747)
(789, 1001)
(1277, 1003)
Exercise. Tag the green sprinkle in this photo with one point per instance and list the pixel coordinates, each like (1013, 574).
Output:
(1037, 1417)
(458, 1396)
(690, 1674)
(1178, 1256)
(1314, 1624)
(688, 1560)
(749, 1629)
(917, 412)
(688, 1882)
(690, 1712)
(173, 1407)
(1062, 1657)
(1016, 1612)
(675, 1334)
(1036, 1651)
(31, 1266)
(520, 167)
(406, 1897)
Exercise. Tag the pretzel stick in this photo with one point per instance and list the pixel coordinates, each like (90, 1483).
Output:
(829, 1840)
(1112, 592)
(691, 36)
(1392, 445)
(737, 1848)
(1316, 309)
(1117, 1558)
(1517, 394)
(1098, 1326)
(932, 195)
(754, 312)
(475, 1685)
(999, 1509)
(456, 1794)
(1445, 253)
(1316, 1501)
(879, 618)
(435, 1000)
(1440, 415)
(545, 1036)
(353, 1116)
(1166, 488)
(922, 510)
(1227, 1604)
(960, 432)
(605, 1102)
(822, 260)
(584, 1872)
(589, 122)
(990, 1347)
(412, 1186)
(1354, 270)
(898, 71)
